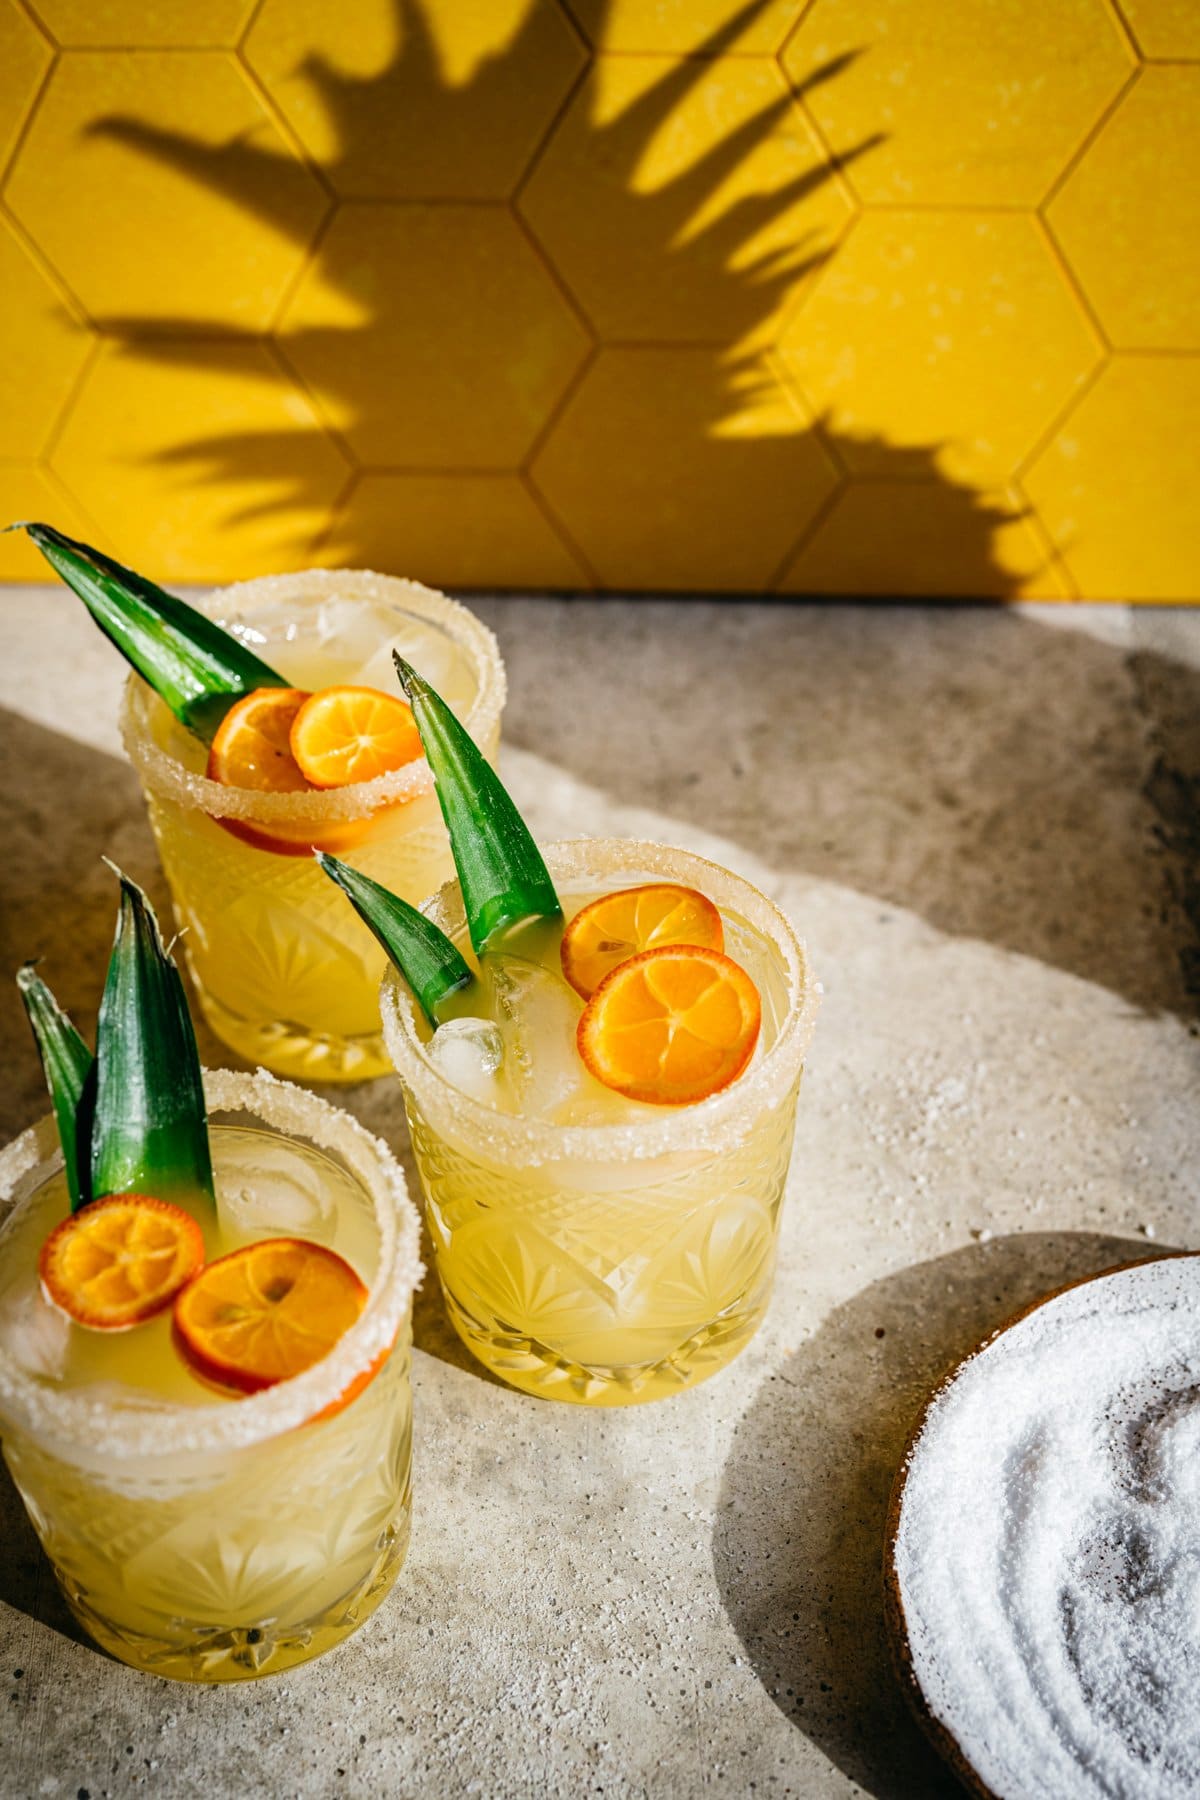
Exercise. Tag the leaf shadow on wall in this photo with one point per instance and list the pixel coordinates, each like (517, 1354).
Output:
(704, 475)
(799, 1536)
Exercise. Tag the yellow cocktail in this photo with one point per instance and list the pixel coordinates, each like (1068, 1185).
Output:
(591, 1247)
(279, 972)
(207, 1538)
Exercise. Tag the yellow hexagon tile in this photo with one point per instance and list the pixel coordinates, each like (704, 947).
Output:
(668, 472)
(1117, 487)
(418, 101)
(1166, 28)
(954, 333)
(472, 531)
(28, 492)
(24, 57)
(432, 336)
(684, 201)
(981, 102)
(160, 188)
(199, 460)
(1128, 218)
(684, 27)
(129, 23)
(47, 347)
(920, 537)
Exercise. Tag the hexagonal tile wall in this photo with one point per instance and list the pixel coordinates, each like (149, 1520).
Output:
(29, 491)
(432, 336)
(984, 346)
(36, 383)
(980, 104)
(125, 24)
(1166, 28)
(472, 531)
(916, 537)
(1117, 484)
(25, 56)
(683, 201)
(666, 481)
(150, 439)
(686, 27)
(390, 107)
(842, 296)
(1128, 217)
(104, 191)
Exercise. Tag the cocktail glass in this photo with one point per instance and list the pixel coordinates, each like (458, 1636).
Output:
(280, 972)
(616, 1262)
(204, 1538)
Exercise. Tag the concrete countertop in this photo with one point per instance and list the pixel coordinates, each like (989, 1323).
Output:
(985, 824)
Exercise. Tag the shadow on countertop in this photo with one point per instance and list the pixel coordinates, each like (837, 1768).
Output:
(797, 1547)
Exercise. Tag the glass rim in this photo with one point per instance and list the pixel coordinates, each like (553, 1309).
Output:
(65, 1421)
(714, 1124)
(164, 775)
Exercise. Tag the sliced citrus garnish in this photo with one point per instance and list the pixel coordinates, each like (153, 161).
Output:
(346, 734)
(671, 1026)
(265, 1313)
(252, 749)
(120, 1260)
(620, 925)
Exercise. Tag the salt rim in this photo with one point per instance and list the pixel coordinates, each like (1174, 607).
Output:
(65, 1421)
(715, 1124)
(1017, 1560)
(171, 781)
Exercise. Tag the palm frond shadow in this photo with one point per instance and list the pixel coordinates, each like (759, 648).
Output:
(413, 111)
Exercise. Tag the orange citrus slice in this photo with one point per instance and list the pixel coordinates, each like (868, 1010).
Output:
(120, 1260)
(252, 749)
(266, 1312)
(620, 925)
(671, 1026)
(346, 734)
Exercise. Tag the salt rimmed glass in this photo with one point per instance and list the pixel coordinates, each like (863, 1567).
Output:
(223, 1540)
(283, 970)
(615, 1263)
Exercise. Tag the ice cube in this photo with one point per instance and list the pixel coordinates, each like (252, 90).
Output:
(275, 1192)
(34, 1334)
(537, 1015)
(469, 1053)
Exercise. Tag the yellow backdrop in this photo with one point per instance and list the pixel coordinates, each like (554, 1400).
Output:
(858, 296)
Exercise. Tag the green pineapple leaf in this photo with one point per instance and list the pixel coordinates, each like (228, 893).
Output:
(193, 664)
(500, 868)
(150, 1132)
(69, 1067)
(424, 955)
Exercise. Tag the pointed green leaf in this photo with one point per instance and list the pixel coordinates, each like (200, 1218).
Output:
(424, 955)
(68, 1065)
(150, 1133)
(193, 664)
(500, 868)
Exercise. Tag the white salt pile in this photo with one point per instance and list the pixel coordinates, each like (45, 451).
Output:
(1047, 1550)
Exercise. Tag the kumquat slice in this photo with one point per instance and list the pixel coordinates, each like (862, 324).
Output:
(266, 1312)
(620, 925)
(345, 734)
(120, 1260)
(671, 1026)
(252, 749)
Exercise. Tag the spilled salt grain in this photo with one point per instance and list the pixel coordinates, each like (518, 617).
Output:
(1047, 1551)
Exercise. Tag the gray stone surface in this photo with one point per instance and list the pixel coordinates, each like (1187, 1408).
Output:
(985, 824)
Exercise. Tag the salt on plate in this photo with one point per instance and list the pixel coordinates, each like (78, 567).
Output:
(1044, 1546)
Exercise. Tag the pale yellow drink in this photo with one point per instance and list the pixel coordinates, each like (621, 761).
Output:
(283, 972)
(200, 1537)
(592, 1248)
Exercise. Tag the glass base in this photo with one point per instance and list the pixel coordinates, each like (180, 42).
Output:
(535, 1368)
(245, 1652)
(289, 1048)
